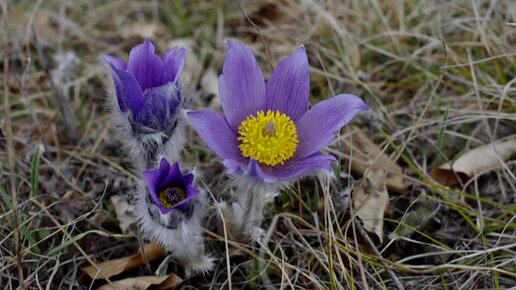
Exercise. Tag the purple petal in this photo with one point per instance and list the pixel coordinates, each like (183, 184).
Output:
(119, 90)
(164, 165)
(180, 204)
(250, 168)
(145, 65)
(163, 209)
(318, 126)
(241, 85)
(288, 88)
(297, 168)
(235, 166)
(173, 63)
(216, 133)
(254, 170)
(191, 192)
(174, 177)
(115, 62)
(153, 179)
(130, 91)
(189, 178)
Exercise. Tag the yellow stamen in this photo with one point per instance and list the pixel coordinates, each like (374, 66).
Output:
(171, 196)
(269, 137)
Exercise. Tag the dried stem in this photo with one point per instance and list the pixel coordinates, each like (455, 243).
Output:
(248, 209)
(267, 53)
(377, 253)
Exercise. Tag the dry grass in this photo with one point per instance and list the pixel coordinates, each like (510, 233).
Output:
(440, 76)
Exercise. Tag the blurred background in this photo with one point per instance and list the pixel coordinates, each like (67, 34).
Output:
(440, 77)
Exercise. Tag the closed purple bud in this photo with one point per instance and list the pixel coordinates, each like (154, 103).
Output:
(147, 102)
(147, 86)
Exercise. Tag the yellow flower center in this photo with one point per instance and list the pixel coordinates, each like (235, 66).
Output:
(269, 137)
(171, 196)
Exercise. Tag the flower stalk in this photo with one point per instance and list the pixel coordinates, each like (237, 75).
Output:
(247, 206)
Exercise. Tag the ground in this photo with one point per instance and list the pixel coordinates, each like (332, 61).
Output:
(438, 75)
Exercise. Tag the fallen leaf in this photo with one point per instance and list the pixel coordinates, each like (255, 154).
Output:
(124, 213)
(366, 154)
(370, 199)
(479, 160)
(144, 282)
(111, 268)
(171, 282)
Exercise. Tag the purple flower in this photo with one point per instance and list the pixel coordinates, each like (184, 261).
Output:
(147, 85)
(168, 187)
(267, 131)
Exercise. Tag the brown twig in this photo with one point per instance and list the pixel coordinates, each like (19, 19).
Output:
(267, 53)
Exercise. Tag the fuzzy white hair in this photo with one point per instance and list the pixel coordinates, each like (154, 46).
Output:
(180, 233)
(249, 199)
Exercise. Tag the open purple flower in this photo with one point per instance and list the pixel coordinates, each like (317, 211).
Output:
(168, 187)
(267, 131)
(147, 85)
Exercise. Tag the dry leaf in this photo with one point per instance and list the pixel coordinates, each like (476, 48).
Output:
(144, 282)
(366, 154)
(111, 268)
(478, 160)
(370, 199)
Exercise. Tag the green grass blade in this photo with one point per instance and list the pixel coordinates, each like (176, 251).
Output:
(34, 177)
